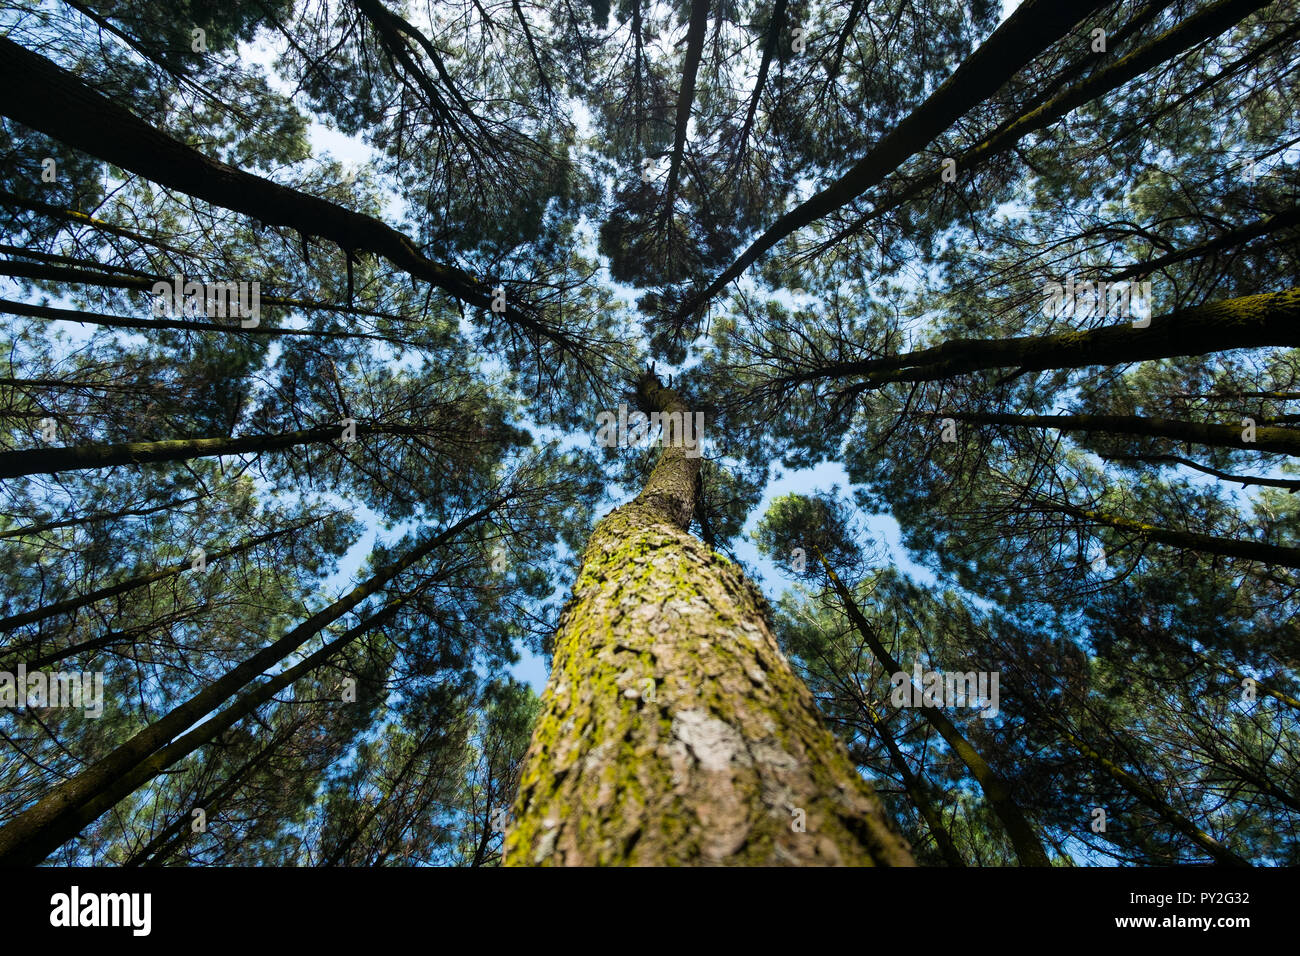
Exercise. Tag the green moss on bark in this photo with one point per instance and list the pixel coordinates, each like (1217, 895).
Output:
(673, 730)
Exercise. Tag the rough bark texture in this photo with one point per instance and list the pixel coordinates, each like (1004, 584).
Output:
(673, 730)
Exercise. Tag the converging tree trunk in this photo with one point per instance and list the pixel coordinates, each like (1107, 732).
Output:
(1029, 849)
(1034, 26)
(1247, 322)
(61, 814)
(38, 461)
(1285, 441)
(673, 730)
(85, 119)
(918, 789)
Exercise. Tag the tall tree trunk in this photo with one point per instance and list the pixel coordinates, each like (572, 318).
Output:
(673, 730)
(1278, 222)
(1031, 29)
(339, 853)
(695, 31)
(1238, 676)
(1285, 441)
(1200, 26)
(109, 639)
(1251, 321)
(1144, 795)
(1290, 484)
(185, 325)
(773, 37)
(58, 816)
(39, 461)
(918, 789)
(44, 97)
(167, 841)
(122, 587)
(1029, 849)
(42, 272)
(1187, 540)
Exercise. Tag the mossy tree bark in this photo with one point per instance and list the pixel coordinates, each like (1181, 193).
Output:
(673, 730)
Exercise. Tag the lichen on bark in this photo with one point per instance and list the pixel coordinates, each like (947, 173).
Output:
(673, 730)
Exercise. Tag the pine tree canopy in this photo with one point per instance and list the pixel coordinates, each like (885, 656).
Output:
(545, 432)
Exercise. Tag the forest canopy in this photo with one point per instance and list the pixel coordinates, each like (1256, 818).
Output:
(877, 415)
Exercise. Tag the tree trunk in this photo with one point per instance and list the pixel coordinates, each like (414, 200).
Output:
(1031, 29)
(1284, 441)
(1251, 321)
(42, 272)
(1128, 782)
(1186, 540)
(109, 639)
(695, 32)
(1184, 35)
(39, 461)
(1290, 484)
(918, 789)
(61, 814)
(48, 99)
(184, 325)
(1029, 849)
(774, 27)
(673, 730)
(122, 587)
(167, 841)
